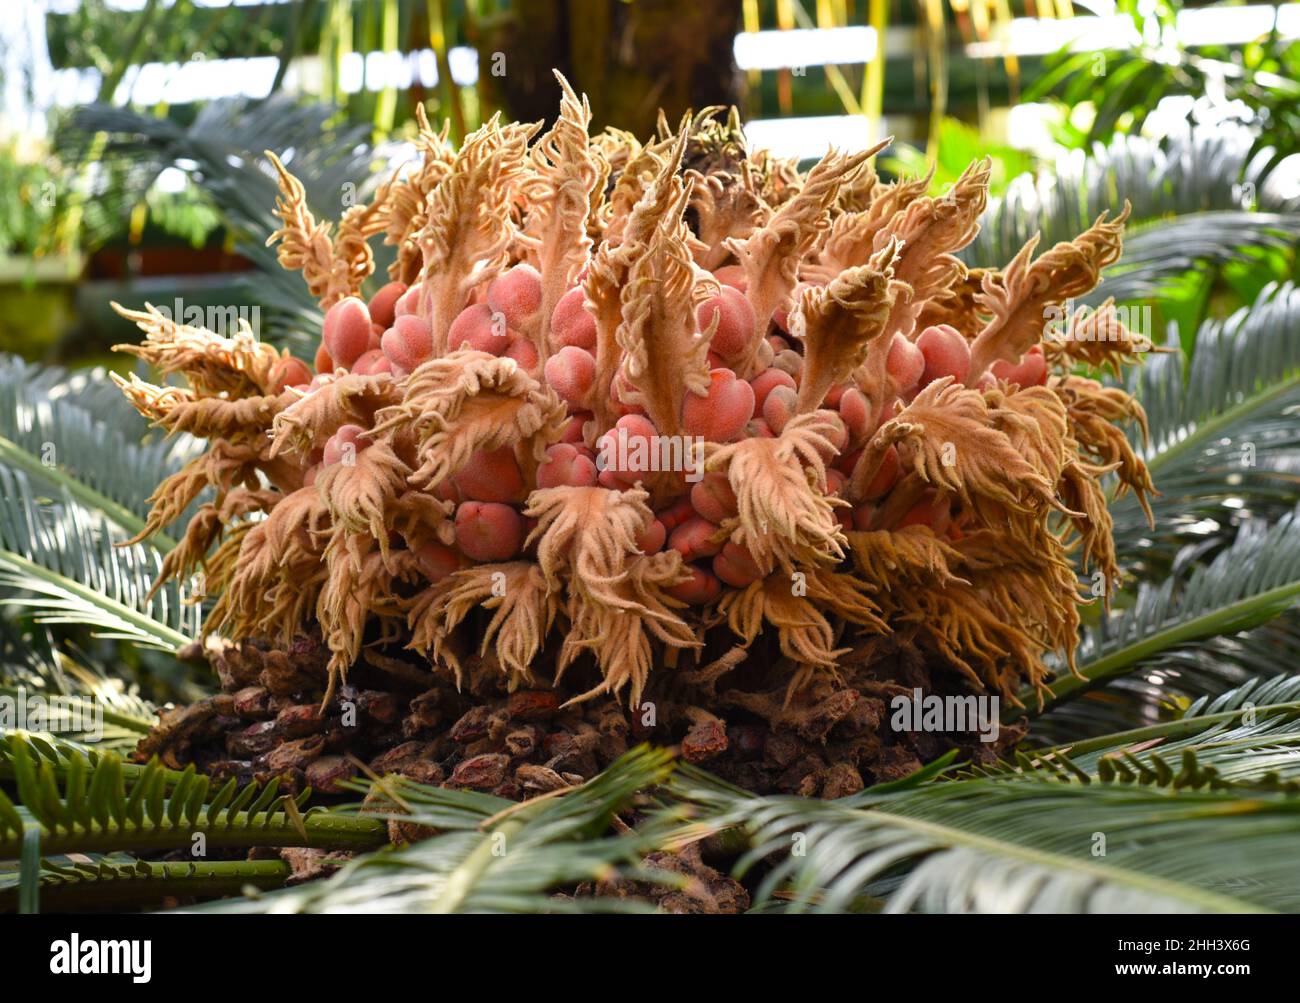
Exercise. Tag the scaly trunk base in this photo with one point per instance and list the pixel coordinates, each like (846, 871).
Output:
(731, 716)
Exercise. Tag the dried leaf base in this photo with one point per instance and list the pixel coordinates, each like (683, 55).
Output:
(730, 713)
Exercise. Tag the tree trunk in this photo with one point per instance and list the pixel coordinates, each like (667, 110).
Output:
(630, 59)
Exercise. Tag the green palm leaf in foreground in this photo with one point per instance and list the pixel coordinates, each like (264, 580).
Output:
(1250, 582)
(96, 807)
(57, 753)
(118, 881)
(1247, 735)
(1208, 171)
(487, 854)
(1108, 825)
(1207, 835)
(67, 432)
(483, 853)
(1222, 426)
(59, 559)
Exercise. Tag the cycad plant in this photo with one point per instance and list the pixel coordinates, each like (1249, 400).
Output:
(476, 654)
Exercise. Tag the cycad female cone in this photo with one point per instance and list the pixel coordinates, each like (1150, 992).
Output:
(744, 449)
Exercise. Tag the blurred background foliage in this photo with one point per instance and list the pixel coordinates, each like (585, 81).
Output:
(135, 127)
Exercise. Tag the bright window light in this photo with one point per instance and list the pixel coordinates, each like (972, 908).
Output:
(1032, 36)
(386, 69)
(1036, 36)
(464, 65)
(171, 180)
(812, 136)
(206, 79)
(774, 50)
(1218, 25)
(1169, 115)
(70, 6)
(352, 72)
(1288, 20)
(197, 80)
(1028, 126)
(1284, 179)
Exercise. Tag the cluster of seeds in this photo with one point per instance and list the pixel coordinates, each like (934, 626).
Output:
(389, 335)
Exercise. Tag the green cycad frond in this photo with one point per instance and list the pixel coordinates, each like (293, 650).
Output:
(221, 150)
(86, 677)
(100, 714)
(1247, 584)
(222, 147)
(1165, 685)
(58, 752)
(1225, 451)
(59, 559)
(60, 430)
(493, 855)
(98, 810)
(106, 882)
(1032, 845)
(1248, 737)
(67, 715)
(1199, 173)
(1238, 365)
(1164, 250)
(122, 706)
(27, 655)
(1195, 814)
(1224, 428)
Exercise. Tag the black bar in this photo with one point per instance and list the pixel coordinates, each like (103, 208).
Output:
(873, 952)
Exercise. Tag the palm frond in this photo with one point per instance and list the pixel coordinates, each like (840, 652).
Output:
(61, 430)
(57, 752)
(122, 704)
(1224, 437)
(1224, 452)
(27, 655)
(77, 718)
(1201, 198)
(221, 151)
(61, 561)
(492, 855)
(1248, 736)
(1165, 685)
(35, 659)
(1248, 583)
(1194, 173)
(1015, 843)
(118, 881)
(98, 810)
(1159, 253)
